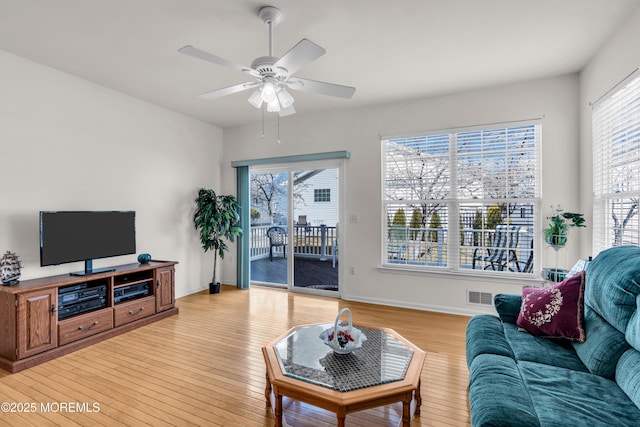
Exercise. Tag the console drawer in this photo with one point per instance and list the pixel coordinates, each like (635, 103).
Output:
(84, 325)
(134, 310)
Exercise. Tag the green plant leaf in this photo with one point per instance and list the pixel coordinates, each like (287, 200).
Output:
(216, 218)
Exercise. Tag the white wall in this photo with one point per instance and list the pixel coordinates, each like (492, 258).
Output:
(68, 144)
(617, 59)
(358, 131)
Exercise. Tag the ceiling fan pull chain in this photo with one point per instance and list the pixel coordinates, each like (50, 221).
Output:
(263, 122)
(278, 140)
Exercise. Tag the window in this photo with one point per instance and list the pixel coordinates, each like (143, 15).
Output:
(616, 166)
(464, 199)
(322, 195)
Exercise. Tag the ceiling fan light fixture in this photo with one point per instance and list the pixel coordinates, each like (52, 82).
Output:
(256, 98)
(285, 98)
(273, 106)
(268, 91)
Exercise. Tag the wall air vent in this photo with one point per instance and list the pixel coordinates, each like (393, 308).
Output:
(479, 298)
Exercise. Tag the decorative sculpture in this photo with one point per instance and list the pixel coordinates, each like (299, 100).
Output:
(10, 269)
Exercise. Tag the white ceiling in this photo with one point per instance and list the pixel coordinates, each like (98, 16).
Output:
(388, 50)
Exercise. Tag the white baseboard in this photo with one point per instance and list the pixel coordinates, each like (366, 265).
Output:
(400, 304)
(424, 307)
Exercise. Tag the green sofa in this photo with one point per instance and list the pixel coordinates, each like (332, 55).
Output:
(517, 379)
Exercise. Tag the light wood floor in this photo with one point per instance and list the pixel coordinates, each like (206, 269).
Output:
(204, 367)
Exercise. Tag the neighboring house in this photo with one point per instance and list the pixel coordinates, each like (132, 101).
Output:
(318, 200)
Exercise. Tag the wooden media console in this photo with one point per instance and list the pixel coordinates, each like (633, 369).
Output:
(41, 319)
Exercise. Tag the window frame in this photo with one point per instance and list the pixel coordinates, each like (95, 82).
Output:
(454, 202)
(615, 118)
(321, 195)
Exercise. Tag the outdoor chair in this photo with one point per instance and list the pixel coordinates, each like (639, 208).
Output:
(397, 244)
(302, 222)
(528, 266)
(277, 238)
(502, 251)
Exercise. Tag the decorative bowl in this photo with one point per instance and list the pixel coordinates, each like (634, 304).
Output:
(343, 339)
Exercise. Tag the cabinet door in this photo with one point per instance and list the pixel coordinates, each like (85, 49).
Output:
(165, 294)
(37, 322)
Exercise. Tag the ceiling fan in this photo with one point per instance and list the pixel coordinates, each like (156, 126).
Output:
(273, 74)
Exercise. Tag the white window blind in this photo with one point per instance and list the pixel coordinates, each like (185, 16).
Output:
(448, 196)
(616, 165)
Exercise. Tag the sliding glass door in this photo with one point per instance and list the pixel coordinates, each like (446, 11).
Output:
(316, 211)
(269, 226)
(295, 216)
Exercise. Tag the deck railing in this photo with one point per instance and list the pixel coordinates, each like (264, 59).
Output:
(428, 246)
(405, 245)
(317, 241)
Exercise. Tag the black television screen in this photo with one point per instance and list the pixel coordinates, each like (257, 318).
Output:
(70, 236)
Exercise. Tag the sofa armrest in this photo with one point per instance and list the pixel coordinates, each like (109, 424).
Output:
(508, 307)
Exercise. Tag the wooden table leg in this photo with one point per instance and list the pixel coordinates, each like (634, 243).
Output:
(341, 413)
(267, 390)
(406, 412)
(278, 412)
(418, 399)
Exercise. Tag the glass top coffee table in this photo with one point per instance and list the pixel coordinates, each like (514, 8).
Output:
(385, 370)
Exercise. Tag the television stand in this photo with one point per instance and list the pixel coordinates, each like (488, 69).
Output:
(41, 319)
(88, 269)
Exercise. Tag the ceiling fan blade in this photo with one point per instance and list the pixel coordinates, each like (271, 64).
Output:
(298, 56)
(284, 112)
(228, 90)
(323, 88)
(201, 54)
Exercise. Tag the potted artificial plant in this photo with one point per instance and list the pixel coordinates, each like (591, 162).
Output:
(556, 232)
(216, 218)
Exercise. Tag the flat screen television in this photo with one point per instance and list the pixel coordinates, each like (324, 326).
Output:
(71, 236)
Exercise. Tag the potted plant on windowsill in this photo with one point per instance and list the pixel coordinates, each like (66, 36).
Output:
(556, 232)
(216, 218)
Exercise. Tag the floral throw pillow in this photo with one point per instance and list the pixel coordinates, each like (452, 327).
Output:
(555, 311)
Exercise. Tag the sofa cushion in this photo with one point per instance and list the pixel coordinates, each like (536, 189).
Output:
(485, 335)
(589, 399)
(497, 394)
(632, 334)
(555, 311)
(603, 347)
(542, 350)
(613, 282)
(508, 306)
(628, 375)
